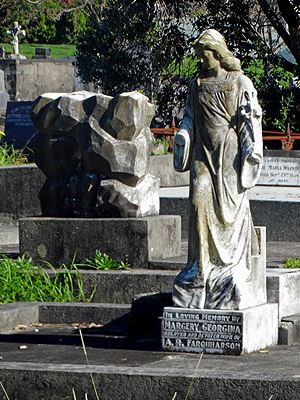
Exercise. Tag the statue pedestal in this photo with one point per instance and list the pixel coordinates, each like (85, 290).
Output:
(133, 240)
(227, 332)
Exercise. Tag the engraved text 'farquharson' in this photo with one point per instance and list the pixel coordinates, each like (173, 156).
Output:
(205, 331)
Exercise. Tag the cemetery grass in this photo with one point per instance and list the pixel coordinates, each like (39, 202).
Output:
(10, 156)
(22, 280)
(28, 49)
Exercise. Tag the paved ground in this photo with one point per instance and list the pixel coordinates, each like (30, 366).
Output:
(47, 362)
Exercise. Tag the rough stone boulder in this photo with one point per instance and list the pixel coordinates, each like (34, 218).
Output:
(94, 150)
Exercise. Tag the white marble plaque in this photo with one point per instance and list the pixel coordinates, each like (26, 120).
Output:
(281, 171)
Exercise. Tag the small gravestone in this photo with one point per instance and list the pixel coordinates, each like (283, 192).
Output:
(19, 129)
(42, 53)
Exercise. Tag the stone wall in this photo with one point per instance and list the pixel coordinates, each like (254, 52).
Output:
(27, 79)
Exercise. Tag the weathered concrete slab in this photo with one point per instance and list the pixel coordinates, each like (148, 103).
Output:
(14, 314)
(136, 368)
(122, 286)
(26, 314)
(283, 287)
(83, 313)
(289, 330)
(162, 167)
(9, 234)
(133, 240)
(19, 188)
(277, 216)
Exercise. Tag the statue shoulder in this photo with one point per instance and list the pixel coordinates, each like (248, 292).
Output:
(242, 81)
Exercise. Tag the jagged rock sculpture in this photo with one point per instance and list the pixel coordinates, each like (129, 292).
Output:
(94, 150)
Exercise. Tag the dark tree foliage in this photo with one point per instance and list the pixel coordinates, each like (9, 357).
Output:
(135, 45)
(256, 30)
(144, 45)
(47, 21)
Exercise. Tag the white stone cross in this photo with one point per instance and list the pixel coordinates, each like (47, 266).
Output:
(15, 32)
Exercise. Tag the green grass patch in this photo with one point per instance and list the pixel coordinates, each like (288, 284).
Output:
(10, 156)
(28, 49)
(22, 280)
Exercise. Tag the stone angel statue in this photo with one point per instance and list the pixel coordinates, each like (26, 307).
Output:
(220, 142)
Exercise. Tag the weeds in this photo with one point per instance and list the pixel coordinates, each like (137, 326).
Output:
(102, 261)
(6, 395)
(88, 363)
(291, 263)
(10, 156)
(161, 147)
(193, 377)
(21, 280)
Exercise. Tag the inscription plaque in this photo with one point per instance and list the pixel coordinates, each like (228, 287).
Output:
(19, 129)
(281, 171)
(208, 331)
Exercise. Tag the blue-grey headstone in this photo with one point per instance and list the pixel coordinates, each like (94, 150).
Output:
(19, 129)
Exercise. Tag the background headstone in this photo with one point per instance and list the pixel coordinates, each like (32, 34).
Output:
(19, 129)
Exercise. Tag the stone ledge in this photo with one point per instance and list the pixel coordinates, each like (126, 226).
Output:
(133, 240)
(283, 287)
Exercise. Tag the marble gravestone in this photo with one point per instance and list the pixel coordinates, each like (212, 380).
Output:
(220, 295)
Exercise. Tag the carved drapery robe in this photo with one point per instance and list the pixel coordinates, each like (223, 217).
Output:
(220, 141)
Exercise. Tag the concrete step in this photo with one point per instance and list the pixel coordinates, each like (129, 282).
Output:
(26, 314)
(46, 362)
(289, 330)
(9, 235)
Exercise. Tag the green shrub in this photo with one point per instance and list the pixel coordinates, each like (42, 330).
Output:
(291, 263)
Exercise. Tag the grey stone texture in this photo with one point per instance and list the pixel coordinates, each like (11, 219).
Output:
(133, 240)
(4, 98)
(136, 368)
(279, 218)
(289, 330)
(95, 150)
(83, 313)
(2, 82)
(27, 79)
(14, 314)
(162, 167)
(19, 187)
(283, 288)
